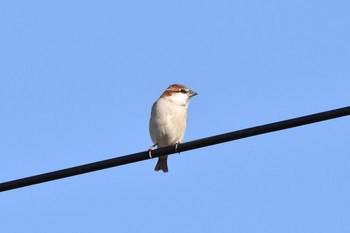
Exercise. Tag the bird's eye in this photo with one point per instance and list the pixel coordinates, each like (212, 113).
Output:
(183, 91)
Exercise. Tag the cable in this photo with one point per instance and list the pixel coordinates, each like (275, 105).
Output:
(132, 158)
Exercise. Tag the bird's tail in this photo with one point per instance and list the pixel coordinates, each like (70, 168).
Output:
(162, 164)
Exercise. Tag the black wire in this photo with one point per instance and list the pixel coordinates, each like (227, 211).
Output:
(171, 149)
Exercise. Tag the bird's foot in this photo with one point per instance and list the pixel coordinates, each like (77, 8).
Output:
(150, 151)
(176, 146)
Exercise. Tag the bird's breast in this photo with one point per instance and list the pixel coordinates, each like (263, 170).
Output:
(168, 123)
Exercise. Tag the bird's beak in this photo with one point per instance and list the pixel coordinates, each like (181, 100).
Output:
(192, 93)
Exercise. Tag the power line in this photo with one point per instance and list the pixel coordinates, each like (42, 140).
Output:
(244, 133)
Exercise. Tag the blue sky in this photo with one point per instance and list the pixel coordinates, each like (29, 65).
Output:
(77, 82)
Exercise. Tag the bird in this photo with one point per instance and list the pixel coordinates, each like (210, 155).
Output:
(168, 120)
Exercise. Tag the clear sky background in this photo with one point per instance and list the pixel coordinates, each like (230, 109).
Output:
(77, 82)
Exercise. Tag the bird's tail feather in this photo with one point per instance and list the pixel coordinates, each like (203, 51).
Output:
(162, 164)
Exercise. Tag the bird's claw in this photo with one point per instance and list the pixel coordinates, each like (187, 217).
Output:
(150, 151)
(176, 146)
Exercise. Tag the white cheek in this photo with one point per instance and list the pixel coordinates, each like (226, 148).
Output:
(180, 99)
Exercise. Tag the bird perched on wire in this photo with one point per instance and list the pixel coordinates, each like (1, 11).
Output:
(168, 121)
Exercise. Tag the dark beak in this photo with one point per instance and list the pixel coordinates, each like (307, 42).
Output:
(192, 93)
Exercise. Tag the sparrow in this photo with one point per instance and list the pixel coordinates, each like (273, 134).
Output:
(168, 121)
